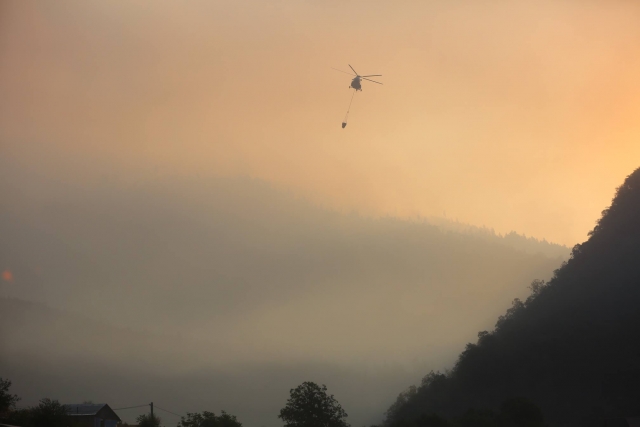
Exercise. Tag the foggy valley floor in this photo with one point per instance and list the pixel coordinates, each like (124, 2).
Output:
(245, 285)
(537, 350)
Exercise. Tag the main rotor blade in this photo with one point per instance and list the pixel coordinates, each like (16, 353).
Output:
(341, 71)
(352, 69)
(371, 80)
(373, 75)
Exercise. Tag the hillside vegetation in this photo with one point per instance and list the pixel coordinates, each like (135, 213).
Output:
(571, 347)
(231, 287)
(236, 257)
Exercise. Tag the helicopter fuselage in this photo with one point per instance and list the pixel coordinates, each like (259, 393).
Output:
(355, 83)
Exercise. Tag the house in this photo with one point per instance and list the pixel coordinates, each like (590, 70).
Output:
(92, 415)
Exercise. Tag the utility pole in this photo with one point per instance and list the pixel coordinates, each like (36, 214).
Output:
(151, 405)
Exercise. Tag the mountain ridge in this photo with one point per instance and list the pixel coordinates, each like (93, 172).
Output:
(563, 343)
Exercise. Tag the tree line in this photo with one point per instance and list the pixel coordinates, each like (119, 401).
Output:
(309, 405)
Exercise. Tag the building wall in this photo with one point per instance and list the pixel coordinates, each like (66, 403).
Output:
(104, 418)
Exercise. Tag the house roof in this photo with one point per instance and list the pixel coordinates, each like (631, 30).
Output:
(84, 408)
(79, 409)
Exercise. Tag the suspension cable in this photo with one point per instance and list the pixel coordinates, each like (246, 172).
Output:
(344, 122)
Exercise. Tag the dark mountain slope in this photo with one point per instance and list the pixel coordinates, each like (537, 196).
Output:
(573, 347)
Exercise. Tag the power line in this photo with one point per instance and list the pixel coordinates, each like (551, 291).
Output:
(130, 407)
(173, 413)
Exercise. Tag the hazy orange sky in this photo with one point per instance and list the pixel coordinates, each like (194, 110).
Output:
(517, 115)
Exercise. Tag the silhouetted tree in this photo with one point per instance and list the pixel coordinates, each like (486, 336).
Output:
(7, 400)
(402, 423)
(148, 420)
(520, 412)
(431, 420)
(209, 419)
(310, 406)
(20, 417)
(50, 413)
(478, 418)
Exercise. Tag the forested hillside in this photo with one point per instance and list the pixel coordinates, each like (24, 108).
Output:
(572, 347)
(236, 257)
(513, 239)
(232, 278)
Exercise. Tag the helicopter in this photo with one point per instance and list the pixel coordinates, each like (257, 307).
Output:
(355, 83)
(357, 86)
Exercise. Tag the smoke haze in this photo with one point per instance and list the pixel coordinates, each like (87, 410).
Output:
(230, 278)
(515, 115)
(181, 213)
